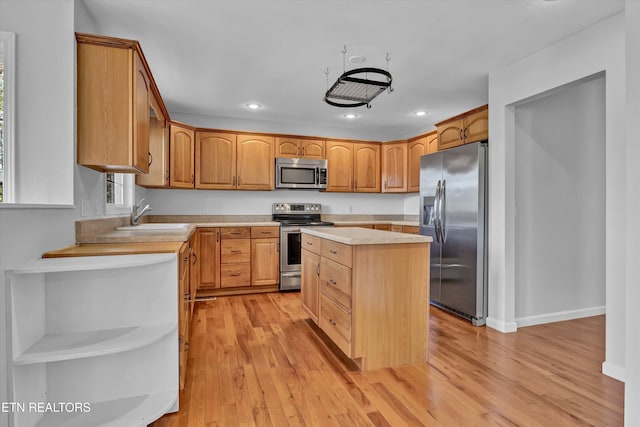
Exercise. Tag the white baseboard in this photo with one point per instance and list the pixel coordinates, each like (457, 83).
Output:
(501, 326)
(560, 316)
(613, 371)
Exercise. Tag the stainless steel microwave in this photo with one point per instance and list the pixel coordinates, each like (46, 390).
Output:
(301, 173)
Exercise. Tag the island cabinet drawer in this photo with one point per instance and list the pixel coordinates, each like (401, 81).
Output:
(336, 323)
(235, 251)
(234, 275)
(337, 252)
(410, 229)
(235, 232)
(311, 243)
(264, 232)
(335, 282)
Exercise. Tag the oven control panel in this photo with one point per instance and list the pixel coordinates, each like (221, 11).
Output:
(280, 208)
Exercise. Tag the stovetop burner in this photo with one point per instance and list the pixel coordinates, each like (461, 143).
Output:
(309, 214)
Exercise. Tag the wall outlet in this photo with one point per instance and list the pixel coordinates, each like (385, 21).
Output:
(349, 210)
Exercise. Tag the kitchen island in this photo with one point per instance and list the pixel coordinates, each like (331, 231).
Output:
(368, 291)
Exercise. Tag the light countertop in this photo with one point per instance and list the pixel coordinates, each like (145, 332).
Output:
(364, 236)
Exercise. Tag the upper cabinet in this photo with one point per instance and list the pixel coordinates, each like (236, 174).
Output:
(469, 127)
(229, 161)
(394, 167)
(158, 175)
(114, 92)
(418, 147)
(353, 166)
(182, 144)
(300, 148)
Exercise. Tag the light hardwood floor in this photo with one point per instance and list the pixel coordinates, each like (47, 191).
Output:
(256, 360)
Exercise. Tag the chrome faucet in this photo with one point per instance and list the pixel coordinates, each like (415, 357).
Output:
(136, 212)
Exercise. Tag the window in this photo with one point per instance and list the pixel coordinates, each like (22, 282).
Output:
(119, 193)
(7, 45)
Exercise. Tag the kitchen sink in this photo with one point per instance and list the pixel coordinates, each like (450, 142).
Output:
(155, 227)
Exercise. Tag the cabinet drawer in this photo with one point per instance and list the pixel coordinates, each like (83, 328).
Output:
(411, 229)
(235, 232)
(337, 251)
(264, 232)
(335, 282)
(383, 227)
(234, 275)
(311, 243)
(396, 228)
(235, 251)
(336, 323)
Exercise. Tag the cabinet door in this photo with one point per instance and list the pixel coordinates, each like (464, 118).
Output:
(216, 160)
(209, 255)
(417, 149)
(255, 162)
(158, 175)
(312, 148)
(476, 126)
(450, 134)
(265, 262)
(310, 284)
(183, 311)
(141, 90)
(366, 167)
(431, 142)
(394, 168)
(182, 151)
(339, 165)
(288, 147)
(194, 269)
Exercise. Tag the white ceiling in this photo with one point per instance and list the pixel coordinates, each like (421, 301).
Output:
(212, 57)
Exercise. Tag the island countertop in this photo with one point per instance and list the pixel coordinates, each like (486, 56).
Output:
(364, 236)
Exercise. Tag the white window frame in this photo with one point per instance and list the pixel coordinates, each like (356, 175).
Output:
(8, 54)
(124, 197)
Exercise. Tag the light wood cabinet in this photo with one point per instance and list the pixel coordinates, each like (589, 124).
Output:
(366, 167)
(299, 148)
(209, 258)
(362, 309)
(255, 162)
(114, 88)
(194, 270)
(465, 128)
(235, 257)
(394, 167)
(184, 311)
(417, 148)
(216, 160)
(265, 261)
(158, 175)
(310, 276)
(340, 166)
(182, 144)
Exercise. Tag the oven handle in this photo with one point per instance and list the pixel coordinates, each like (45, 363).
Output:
(289, 229)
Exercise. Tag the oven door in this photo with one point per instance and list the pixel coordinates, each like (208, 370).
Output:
(290, 257)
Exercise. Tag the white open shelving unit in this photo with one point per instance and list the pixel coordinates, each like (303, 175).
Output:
(95, 331)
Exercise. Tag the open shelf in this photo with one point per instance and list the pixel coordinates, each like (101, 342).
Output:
(53, 348)
(133, 411)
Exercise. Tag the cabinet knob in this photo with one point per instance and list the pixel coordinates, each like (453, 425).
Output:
(150, 158)
(333, 252)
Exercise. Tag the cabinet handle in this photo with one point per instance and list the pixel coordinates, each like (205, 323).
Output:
(150, 158)
(192, 178)
(333, 282)
(317, 269)
(217, 236)
(235, 275)
(333, 322)
(186, 346)
(331, 251)
(167, 176)
(385, 184)
(195, 259)
(186, 258)
(309, 244)
(466, 133)
(236, 251)
(265, 232)
(461, 137)
(235, 233)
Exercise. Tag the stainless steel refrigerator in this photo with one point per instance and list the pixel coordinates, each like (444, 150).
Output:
(453, 198)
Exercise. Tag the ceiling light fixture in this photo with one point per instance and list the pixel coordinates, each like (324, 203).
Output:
(420, 113)
(357, 87)
(253, 106)
(350, 116)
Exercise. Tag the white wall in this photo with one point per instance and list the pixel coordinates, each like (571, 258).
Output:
(44, 106)
(596, 49)
(559, 195)
(212, 202)
(632, 368)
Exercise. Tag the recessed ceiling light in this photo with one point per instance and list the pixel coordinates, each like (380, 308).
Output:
(350, 116)
(253, 106)
(420, 113)
(357, 59)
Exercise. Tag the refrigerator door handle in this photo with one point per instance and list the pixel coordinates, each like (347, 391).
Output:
(436, 216)
(443, 212)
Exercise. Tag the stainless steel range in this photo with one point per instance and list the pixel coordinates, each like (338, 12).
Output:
(292, 217)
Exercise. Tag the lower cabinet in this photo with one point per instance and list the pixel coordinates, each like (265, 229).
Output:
(370, 300)
(184, 309)
(235, 257)
(99, 330)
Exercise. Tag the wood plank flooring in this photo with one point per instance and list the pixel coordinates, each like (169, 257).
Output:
(255, 360)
